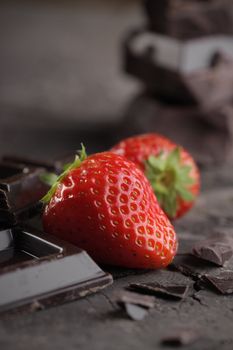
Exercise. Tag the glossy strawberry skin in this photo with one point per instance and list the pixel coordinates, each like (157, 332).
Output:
(107, 207)
(139, 148)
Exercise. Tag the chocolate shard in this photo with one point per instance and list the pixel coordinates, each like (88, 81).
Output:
(126, 297)
(190, 18)
(135, 305)
(135, 312)
(218, 250)
(180, 337)
(186, 271)
(222, 282)
(170, 291)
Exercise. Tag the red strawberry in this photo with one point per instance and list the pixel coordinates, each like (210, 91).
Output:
(105, 205)
(170, 169)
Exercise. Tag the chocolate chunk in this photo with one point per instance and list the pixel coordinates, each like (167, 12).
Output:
(135, 312)
(223, 282)
(185, 67)
(218, 251)
(190, 18)
(171, 291)
(180, 337)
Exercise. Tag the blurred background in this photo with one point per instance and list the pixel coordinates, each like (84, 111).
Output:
(62, 80)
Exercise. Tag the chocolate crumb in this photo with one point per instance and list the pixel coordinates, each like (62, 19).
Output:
(36, 306)
(180, 338)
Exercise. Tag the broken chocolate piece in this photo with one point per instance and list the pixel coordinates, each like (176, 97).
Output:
(126, 297)
(52, 271)
(218, 251)
(190, 18)
(135, 305)
(180, 337)
(186, 271)
(223, 282)
(171, 291)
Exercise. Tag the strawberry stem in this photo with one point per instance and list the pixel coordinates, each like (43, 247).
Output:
(170, 180)
(54, 180)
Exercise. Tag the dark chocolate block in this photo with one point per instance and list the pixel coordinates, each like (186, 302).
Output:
(190, 18)
(20, 191)
(38, 270)
(182, 71)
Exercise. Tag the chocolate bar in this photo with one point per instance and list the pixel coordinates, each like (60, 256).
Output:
(182, 70)
(190, 18)
(52, 271)
(20, 192)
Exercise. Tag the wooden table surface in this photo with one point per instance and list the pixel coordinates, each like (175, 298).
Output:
(43, 108)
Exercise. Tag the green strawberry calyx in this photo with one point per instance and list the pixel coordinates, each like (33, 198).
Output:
(54, 180)
(170, 180)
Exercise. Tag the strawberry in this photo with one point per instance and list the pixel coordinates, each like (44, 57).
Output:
(105, 205)
(170, 169)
